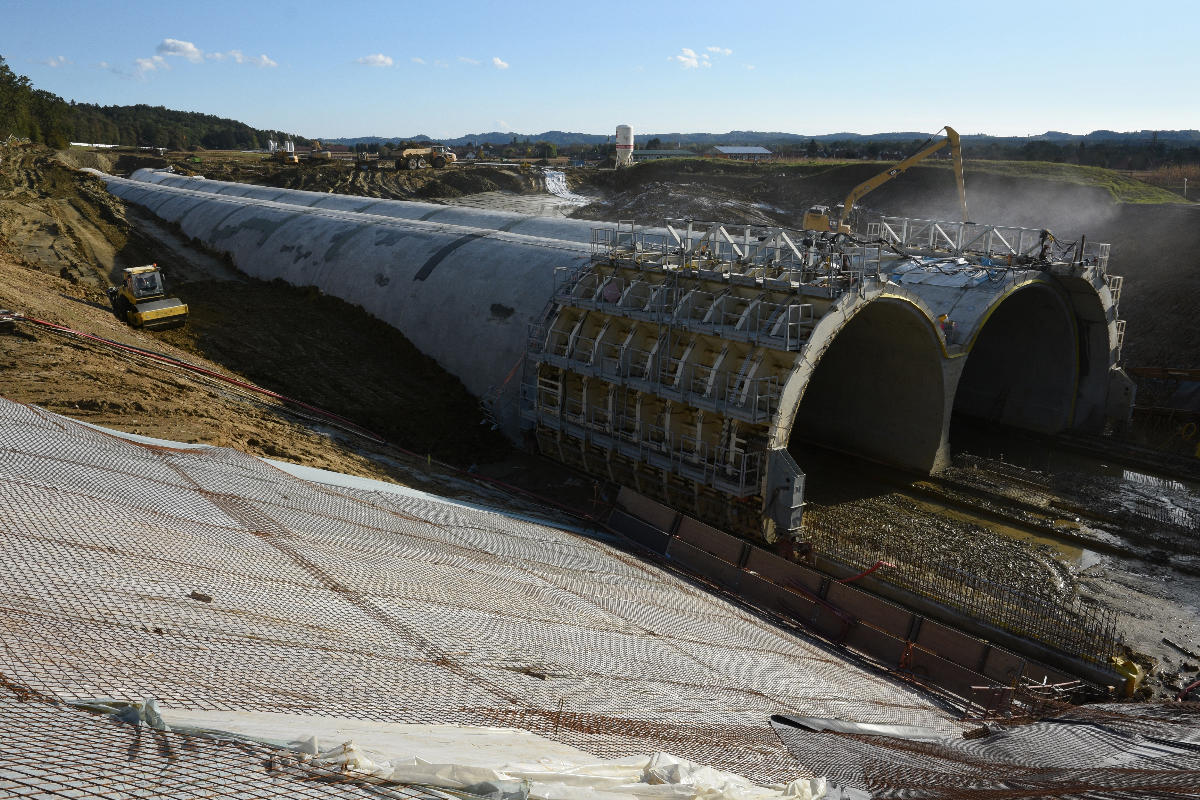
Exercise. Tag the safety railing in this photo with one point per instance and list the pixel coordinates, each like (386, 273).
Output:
(958, 237)
(641, 364)
(1115, 284)
(730, 469)
(1096, 253)
(753, 399)
(558, 342)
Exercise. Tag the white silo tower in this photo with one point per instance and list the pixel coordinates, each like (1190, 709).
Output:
(624, 145)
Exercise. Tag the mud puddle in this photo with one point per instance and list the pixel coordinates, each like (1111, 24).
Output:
(1076, 556)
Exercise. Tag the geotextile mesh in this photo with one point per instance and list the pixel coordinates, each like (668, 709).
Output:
(209, 579)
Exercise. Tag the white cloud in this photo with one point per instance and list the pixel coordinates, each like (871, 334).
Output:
(502, 125)
(724, 51)
(687, 57)
(418, 60)
(144, 65)
(178, 47)
(375, 60)
(257, 61)
(440, 63)
(749, 66)
(498, 64)
(56, 61)
(473, 62)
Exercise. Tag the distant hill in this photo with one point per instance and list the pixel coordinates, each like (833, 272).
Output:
(566, 139)
(46, 118)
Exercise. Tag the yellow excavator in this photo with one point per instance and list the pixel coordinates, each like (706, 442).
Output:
(141, 300)
(817, 218)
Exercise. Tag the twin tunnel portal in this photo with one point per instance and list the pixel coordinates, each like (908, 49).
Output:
(690, 362)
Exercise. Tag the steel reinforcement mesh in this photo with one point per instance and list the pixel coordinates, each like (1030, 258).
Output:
(209, 579)
(48, 750)
(1089, 753)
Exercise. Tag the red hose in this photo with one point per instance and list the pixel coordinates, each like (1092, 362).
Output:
(1187, 690)
(867, 572)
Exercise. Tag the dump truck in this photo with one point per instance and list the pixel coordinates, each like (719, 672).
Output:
(435, 155)
(141, 300)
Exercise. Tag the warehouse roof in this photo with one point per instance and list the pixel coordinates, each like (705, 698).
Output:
(742, 151)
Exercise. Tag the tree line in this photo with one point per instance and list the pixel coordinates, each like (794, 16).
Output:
(45, 118)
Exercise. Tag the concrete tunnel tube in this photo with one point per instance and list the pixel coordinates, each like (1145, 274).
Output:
(673, 406)
(463, 285)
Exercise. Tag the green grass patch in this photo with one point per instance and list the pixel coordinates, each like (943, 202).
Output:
(728, 167)
(1121, 188)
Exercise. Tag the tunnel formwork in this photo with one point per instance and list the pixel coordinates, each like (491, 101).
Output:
(690, 362)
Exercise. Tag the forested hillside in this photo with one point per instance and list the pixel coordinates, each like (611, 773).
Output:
(43, 117)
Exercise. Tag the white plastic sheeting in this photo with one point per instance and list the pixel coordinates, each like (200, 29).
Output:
(508, 761)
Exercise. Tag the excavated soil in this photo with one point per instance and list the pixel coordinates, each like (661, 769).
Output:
(375, 179)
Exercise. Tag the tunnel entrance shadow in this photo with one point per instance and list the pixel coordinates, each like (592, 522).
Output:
(878, 392)
(1023, 368)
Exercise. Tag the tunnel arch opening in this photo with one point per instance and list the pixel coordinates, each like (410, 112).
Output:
(1023, 368)
(878, 392)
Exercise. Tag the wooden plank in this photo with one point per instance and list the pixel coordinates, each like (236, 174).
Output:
(1003, 666)
(875, 643)
(640, 532)
(880, 613)
(706, 565)
(944, 673)
(948, 643)
(645, 509)
(710, 540)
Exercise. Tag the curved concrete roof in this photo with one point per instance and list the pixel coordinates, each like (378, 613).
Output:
(463, 285)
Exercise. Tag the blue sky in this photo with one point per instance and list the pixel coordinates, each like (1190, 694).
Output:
(447, 69)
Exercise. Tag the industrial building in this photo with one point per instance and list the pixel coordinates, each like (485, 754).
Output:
(742, 153)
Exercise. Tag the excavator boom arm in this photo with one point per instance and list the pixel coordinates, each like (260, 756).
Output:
(871, 184)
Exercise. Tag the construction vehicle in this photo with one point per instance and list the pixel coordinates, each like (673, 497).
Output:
(437, 155)
(818, 218)
(141, 301)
